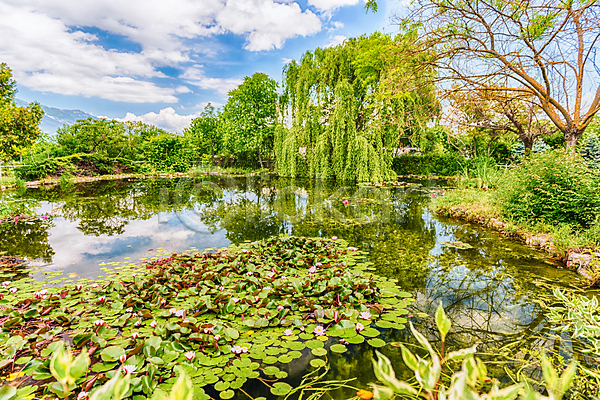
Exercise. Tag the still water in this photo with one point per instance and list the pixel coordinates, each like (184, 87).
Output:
(491, 287)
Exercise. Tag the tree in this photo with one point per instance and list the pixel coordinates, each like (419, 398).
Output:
(542, 49)
(249, 119)
(348, 115)
(19, 126)
(494, 115)
(106, 137)
(204, 133)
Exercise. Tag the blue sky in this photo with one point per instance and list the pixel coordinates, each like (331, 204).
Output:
(162, 61)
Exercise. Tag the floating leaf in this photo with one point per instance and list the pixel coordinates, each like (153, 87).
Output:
(376, 342)
(319, 352)
(280, 388)
(338, 348)
(317, 363)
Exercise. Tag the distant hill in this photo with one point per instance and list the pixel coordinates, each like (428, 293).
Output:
(54, 118)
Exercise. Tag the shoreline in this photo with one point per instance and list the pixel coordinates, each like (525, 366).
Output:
(585, 261)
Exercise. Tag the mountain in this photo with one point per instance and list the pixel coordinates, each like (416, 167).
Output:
(54, 118)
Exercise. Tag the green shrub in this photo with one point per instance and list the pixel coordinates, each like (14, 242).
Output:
(76, 164)
(167, 153)
(552, 187)
(429, 164)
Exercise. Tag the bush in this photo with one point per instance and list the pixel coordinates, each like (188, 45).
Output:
(429, 164)
(76, 165)
(552, 187)
(167, 153)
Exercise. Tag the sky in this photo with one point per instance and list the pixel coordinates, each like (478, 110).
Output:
(162, 61)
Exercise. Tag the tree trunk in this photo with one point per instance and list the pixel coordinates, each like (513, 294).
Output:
(571, 139)
(259, 159)
(528, 144)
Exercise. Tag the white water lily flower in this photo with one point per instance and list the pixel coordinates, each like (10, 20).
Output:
(190, 355)
(319, 331)
(288, 332)
(13, 290)
(360, 327)
(129, 369)
(82, 395)
(365, 315)
(153, 324)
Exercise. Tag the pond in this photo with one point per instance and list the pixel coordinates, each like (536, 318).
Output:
(491, 287)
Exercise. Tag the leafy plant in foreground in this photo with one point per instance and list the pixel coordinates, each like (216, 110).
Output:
(464, 384)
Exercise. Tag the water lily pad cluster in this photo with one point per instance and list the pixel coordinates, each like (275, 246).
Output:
(224, 316)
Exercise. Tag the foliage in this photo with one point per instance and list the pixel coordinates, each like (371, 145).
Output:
(25, 236)
(539, 146)
(223, 317)
(347, 116)
(482, 173)
(167, 153)
(464, 384)
(442, 164)
(552, 187)
(19, 126)
(204, 133)
(249, 119)
(79, 164)
(590, 148)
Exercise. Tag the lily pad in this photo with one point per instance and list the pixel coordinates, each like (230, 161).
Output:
(376, 342)
(319, 352)
(338, 348)
(280, 389)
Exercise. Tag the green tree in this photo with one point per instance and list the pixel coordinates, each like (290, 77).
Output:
(204, 134)
(19, 126)
(249, 119)
(348, 116)
(106, 137)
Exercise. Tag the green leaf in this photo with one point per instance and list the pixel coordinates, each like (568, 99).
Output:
(409, 358)
(338, 348)
(182, 389)
(442, 322)
(280, 389)
(112, 353)
(317, 362)
(376, 342)
(7, 392)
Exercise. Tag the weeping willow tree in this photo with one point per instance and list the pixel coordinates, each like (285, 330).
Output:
(346, 114)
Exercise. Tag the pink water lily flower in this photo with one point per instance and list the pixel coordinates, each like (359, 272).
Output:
(99, 322)
(129, 309)
(135, 335)
(13, 290)
(190, 355)
(352, 249)
(94, 285)
(172, 311)
(221, 288)
(137, 323)
(345, 202)
(312, 270)
(217, 337)
(235, 299)
(208, 330)
(280, 307)
(365, 315)
(122, 358)
(334, 238)
(6, 283)
(153, 324)
(236, 350)
(82, 395)
(319, 331)
(270, 274)
(180, 313)
(359, 326)
(288, 332)
(79, 287)
(44, 217)
(101, 298)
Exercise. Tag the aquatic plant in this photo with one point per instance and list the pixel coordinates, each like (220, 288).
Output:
(467, 383)
(223, 317)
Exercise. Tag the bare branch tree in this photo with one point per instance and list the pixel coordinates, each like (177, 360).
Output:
(543, 50)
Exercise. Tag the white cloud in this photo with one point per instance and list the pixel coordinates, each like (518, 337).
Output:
(167, 119)
(326, 5)
(267, 24)
(336, 25)
(335, 40)
(195, 76)
(45, 55)
(43, 41)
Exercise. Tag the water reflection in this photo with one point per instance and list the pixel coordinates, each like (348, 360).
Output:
(490, 291)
